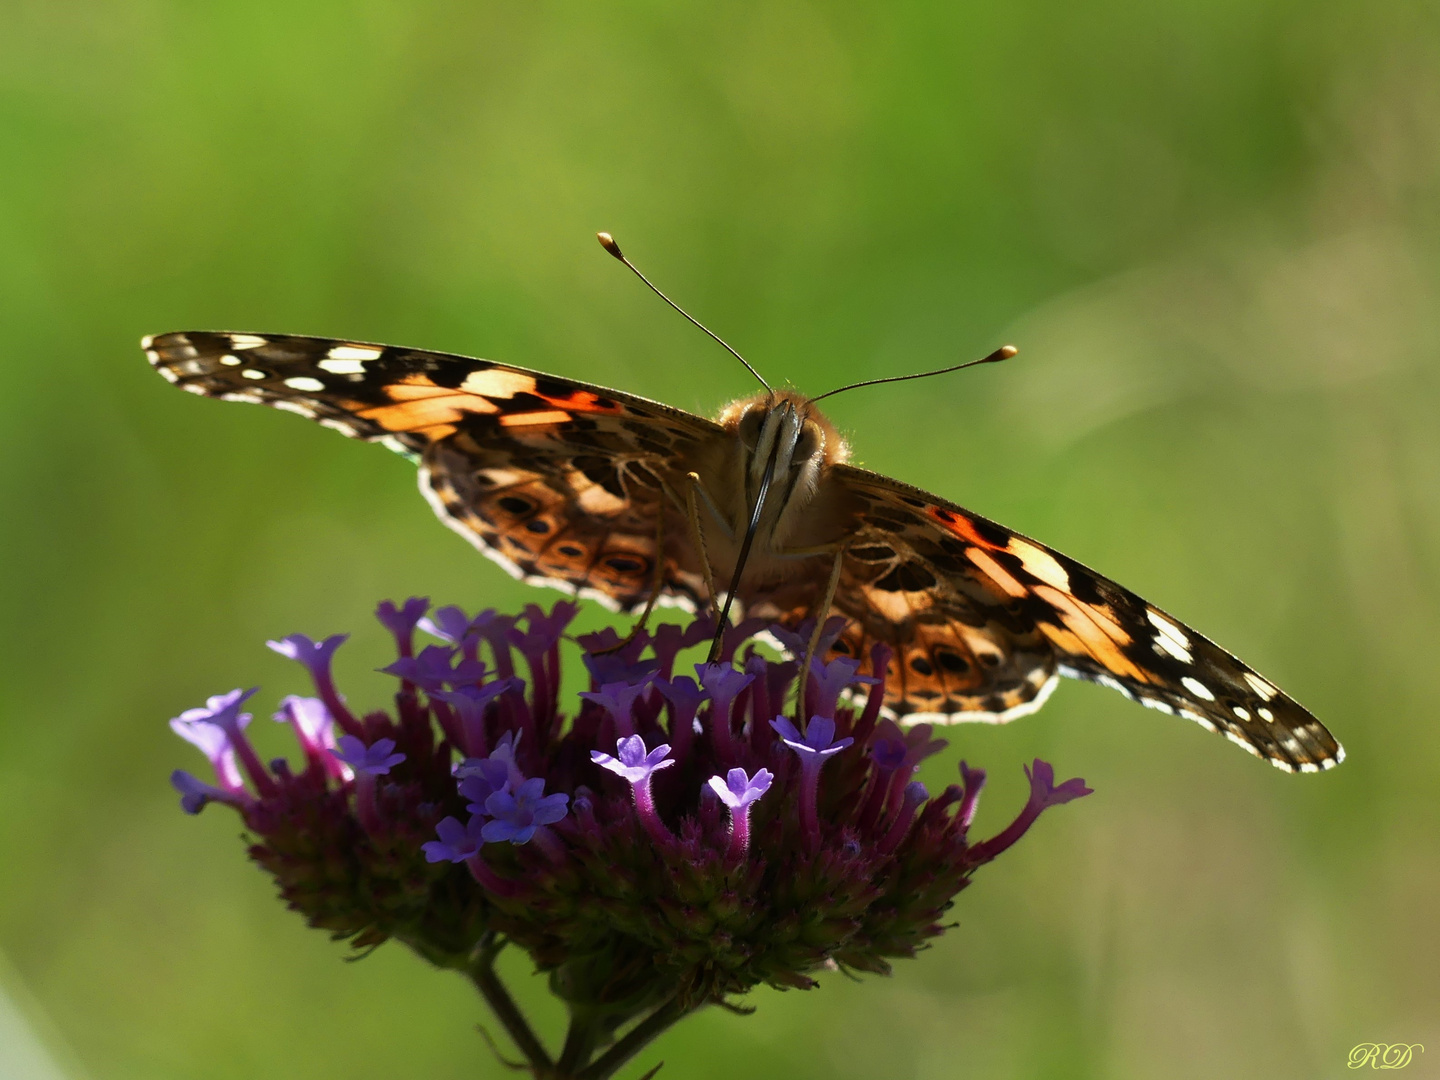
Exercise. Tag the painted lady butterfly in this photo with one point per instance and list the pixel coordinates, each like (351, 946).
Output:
(585, 489)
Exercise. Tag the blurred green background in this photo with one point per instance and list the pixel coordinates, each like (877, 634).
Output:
(1211, 229)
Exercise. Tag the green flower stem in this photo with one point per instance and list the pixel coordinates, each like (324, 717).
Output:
(636, 1040)
(580, 1042)
(482, 974)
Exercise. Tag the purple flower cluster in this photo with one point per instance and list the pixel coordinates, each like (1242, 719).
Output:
(673, 842)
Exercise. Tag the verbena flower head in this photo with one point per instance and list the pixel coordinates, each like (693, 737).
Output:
(663, 844)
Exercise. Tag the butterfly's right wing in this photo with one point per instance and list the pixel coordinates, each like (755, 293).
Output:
(560, 482)
(982, 619)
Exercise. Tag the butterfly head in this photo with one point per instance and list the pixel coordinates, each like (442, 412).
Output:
(787, 426)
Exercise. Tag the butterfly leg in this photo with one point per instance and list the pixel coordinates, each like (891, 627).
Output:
(697, 537)
(821, 614)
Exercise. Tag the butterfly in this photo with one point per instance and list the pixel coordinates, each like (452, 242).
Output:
(611, 496)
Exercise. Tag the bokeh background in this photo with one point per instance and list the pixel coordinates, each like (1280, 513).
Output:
(1211, 229)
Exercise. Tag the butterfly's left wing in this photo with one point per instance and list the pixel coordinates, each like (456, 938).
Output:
(964, 601)
(560, 482)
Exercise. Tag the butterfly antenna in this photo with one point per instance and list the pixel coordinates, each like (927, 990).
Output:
(608, 243)
(1005, 352)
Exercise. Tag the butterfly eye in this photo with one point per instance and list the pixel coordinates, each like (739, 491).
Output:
(750, 425)
(809, 444)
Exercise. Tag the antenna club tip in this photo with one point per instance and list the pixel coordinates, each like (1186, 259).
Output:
(608, 243)
(1005, 352)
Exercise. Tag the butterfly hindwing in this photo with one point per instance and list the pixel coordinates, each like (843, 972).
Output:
(1091, 627)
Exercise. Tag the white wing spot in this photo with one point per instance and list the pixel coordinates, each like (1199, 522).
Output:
(230, 361)
(340, 426)
(147, 341)
(1243, 714)
(1166, 627)
(168, 375)
(1309, 766)
(305, 383)
(249, 399)
(355, 352)
(392, 443)
(1266, 715)
(1191, 714)
(1260, 686)
(1198, 688)
(1238, 741)
(1155, 703)
(296, 407)
(342, 365)
(246, 341)
(1168, 645)
(253, 373)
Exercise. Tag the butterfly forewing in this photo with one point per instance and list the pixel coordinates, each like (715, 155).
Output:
(558, 482)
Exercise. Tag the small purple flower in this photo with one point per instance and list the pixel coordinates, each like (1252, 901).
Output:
(606, 642)
(486, 777)
(494, 629)
(195, 793)
(737, 791)
(896, 754)
(374, 760)
(314, 730)
(724, 684)
(796, 642)
(315, 655)
(222, 710)
(482, 777)
(430, 671)
(671, 639)
(1044, 793)
(830, 680)
(400, 621)
(816, 744)
(505, 748)
(632, 762)
(543, 632)
(636, 766)
(218, 729)
(470, 702)
(516, 815)
(613, 667)
(457, 842)
(618, 699)
(449, 623)
(194, 727)
(814, 747)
